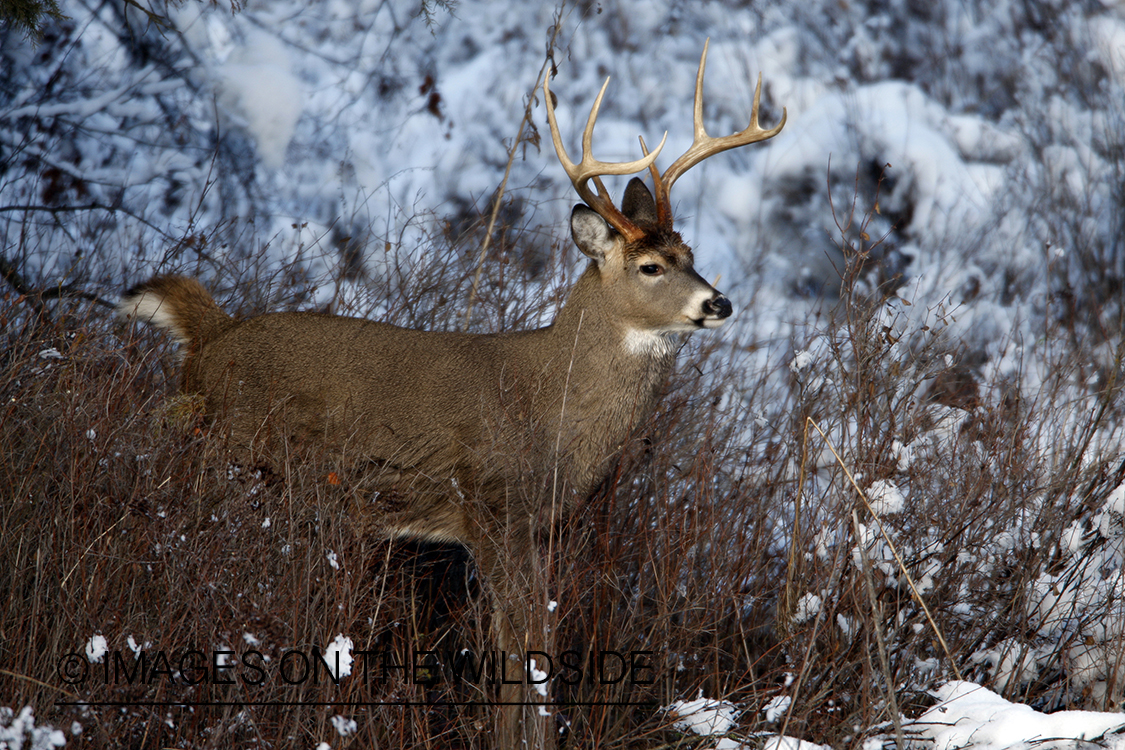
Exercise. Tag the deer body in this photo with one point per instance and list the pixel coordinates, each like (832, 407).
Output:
(486, 436)
(451, 410)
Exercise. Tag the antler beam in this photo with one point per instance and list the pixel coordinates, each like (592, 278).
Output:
(704, 146)
(590, 168)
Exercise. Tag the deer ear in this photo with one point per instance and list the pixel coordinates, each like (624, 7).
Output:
(590, 232)
(638, 204)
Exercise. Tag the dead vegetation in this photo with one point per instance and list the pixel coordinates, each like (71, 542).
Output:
(728, 553)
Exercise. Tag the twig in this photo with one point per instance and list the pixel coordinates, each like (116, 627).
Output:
(880, 642)
(504, 182)
(894, 550)
(785, 617)
(35, 297)
(95, 206)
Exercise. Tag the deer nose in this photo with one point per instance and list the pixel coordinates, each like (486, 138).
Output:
(720, 307)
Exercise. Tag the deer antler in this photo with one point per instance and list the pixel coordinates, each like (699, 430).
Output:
(590, 168)
(704, 146)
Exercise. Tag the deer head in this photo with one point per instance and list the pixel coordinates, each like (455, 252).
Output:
(667, 295)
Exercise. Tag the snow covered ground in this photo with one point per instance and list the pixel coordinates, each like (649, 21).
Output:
(358, 115)
(965, 716)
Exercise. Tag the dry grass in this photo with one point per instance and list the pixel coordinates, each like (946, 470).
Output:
(124, 515)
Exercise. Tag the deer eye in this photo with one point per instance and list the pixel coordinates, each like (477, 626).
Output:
(651, 269)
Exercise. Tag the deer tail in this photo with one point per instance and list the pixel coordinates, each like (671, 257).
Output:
(178, 305)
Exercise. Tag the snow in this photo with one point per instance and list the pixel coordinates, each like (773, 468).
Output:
(800, 361)
(965, 716)
(969, 715)
(339, 652)
(344, 726)
(777, 707)
(255, 82)
(1012, 662)
(18, 731)
(334, 103)
(537, 677)
(885, 498)
(790, 743)
(808, 607)
(96, 648)
(704, 716)
(1115, 503)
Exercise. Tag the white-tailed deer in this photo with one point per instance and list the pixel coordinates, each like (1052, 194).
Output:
(488, 436)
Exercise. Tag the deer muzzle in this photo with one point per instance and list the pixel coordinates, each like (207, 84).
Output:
(715, 311)
(720, 308)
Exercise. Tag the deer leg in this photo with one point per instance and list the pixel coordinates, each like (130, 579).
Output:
(509, 562)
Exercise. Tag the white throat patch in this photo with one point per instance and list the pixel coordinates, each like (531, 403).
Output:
(649, 343)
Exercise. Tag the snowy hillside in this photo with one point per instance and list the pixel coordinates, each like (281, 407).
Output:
(995, 127)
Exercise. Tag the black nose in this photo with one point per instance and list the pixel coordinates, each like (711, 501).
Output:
(720, 307)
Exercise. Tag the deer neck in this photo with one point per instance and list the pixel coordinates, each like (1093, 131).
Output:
(610, 375)
(594, 330)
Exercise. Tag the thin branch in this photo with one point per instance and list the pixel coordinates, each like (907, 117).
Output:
(891, 545)
(504, 183)
(35, 297)
(89, 207)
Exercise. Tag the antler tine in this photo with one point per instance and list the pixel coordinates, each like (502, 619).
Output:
(590, 168)
(663, 204)
(703, 145)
